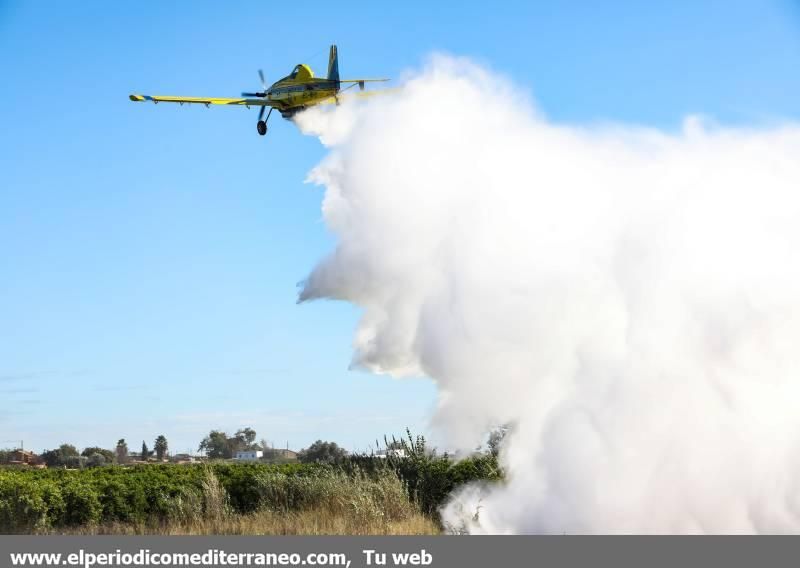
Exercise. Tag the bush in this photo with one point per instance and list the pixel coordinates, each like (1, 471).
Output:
(82, 503)
(22, 504)
(38, 499)
(429, 478)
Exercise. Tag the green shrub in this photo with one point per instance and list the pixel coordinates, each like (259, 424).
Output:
(37, 499)
(428, 477)
(22, 504)
(82, 503)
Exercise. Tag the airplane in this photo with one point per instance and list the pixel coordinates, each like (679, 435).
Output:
(294, 93)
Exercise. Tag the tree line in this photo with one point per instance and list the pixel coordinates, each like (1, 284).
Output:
(216, 445)
(67, 455)
(219, 445)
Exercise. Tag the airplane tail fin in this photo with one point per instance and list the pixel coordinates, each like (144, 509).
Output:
(333, 64)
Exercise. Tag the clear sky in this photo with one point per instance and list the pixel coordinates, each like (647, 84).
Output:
(149, 256)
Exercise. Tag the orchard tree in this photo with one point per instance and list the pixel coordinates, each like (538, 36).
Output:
(218, 445)
(108, 455)
(51, 457)
(65, 454)
(160, 446)
(215, 445)
(68, 451)
(96, 460)
(245, 439)
(323, 452)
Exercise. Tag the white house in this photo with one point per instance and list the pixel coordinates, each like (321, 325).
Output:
(249, 455)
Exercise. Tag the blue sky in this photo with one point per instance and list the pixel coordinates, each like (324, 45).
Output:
(149, 256)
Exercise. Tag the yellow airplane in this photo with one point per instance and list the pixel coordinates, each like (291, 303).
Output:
(290, 95)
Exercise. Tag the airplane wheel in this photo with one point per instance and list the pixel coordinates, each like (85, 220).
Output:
(262, 127)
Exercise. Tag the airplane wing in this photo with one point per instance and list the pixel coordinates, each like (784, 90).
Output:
(203, 100)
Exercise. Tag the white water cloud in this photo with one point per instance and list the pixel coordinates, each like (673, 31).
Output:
(629, 299)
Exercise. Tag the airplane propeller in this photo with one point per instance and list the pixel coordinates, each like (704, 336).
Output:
(263, 84)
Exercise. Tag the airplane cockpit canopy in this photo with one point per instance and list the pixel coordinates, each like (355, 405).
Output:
(301, 73)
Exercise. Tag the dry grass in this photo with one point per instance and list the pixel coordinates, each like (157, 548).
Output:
(309, 522)
(330, 504)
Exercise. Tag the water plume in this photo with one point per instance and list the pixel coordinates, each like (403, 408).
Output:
(627, 298)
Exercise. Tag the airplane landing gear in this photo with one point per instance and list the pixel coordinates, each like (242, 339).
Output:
(261, 126)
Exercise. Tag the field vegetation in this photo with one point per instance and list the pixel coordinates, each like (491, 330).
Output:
(351, 495)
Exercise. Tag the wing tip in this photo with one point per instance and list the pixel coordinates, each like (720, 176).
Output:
(136, 98)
